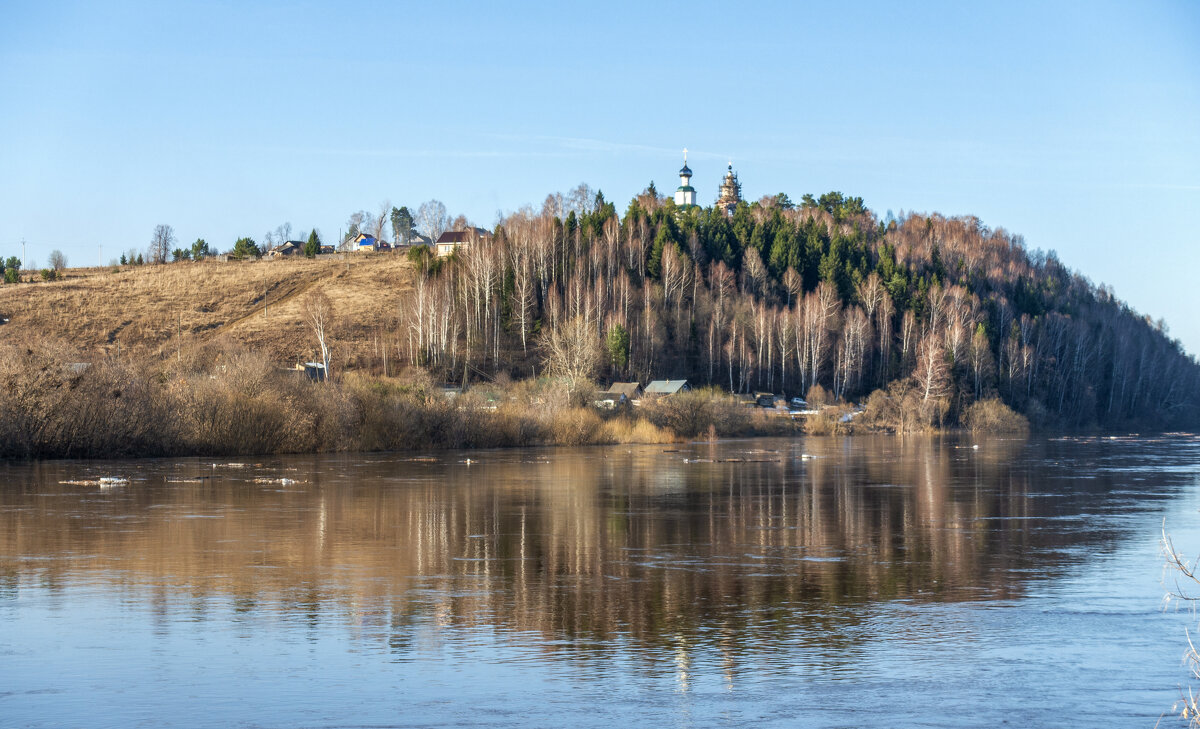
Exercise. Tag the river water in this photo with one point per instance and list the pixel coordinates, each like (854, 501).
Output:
(825, 582)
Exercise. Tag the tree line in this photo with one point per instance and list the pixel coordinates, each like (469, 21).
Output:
(936, 312)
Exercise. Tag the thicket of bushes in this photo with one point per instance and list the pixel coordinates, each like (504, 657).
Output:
(225, 400)
(993, 416)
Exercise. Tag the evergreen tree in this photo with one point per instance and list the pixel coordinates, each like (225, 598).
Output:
(617, 346)
(246, 248)
(402, 225)
(313, 246)
(661, 240)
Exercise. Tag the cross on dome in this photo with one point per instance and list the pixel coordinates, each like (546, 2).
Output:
(685, 195)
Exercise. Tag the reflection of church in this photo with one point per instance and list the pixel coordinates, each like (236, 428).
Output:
(731, 190)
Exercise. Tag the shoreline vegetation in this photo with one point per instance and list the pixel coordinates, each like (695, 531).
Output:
(915, 323)
(227, 400)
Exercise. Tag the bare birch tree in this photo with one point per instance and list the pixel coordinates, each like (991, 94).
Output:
(318, 312)
(162, 243)
(572, 352)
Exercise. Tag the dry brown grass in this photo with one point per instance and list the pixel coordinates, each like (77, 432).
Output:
(155, 309)
(624, 429)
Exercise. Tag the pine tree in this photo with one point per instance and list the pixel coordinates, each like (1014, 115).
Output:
(313, 246)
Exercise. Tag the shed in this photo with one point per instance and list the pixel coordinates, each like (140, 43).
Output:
(667, 387)
(619, 393)
(623, 391)
(314, 371)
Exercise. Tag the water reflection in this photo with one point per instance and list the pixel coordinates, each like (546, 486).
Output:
(736, 547)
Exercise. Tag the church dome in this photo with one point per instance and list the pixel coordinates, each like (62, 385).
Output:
(685, 170)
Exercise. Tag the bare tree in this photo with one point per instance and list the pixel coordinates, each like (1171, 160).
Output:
(870, 292)
(379, 222)
(980, 356)
(793, 283)
(162, 243)
(755, 271)
(581, 199)
(318, 312)
(57, 260)
(520, 253)
(432, 219)
(360, 222)
(572, 351)
(1188, 705)
(932, 374)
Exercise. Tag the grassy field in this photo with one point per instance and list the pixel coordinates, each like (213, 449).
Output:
(152, 309)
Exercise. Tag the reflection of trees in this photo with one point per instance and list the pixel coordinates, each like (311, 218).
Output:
(588, 544)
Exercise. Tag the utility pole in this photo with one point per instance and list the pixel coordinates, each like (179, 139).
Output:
(23, 265)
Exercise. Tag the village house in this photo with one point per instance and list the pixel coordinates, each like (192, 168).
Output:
(663, 388)
(288, 248)
(451, 240)
(619, 393)
(363, 242)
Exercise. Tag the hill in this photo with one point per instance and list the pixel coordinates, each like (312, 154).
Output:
(149, 310)
(921, 317)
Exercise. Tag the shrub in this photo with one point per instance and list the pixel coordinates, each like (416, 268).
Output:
(689, 414)
(899, 409)
(818, 397)
(575, 426)
(624, 429)
(993, 416)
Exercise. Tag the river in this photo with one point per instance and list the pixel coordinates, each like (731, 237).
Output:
(824, 582)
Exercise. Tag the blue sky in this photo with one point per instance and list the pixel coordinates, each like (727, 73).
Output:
(1074, 124)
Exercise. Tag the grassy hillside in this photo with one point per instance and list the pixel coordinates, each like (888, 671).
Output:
(150, 309)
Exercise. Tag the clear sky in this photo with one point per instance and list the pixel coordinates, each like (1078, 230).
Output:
(1074, 124)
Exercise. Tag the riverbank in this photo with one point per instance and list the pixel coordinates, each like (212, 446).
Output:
(226, 400)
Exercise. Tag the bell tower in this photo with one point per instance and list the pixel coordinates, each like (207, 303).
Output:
(731, 192)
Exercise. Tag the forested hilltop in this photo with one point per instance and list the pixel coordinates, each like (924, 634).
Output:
(935, 313)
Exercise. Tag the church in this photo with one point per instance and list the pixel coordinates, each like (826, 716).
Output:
(727, 200)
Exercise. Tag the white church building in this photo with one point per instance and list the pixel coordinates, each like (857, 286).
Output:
(728, 199)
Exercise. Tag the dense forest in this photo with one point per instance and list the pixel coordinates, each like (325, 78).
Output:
(932, 312)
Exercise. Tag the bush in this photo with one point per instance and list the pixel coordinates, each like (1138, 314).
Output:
(818, 397)
(575, 426)
(689, 414)
(993, 416)
(220, 398)
(899, 410)
(624, 429)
